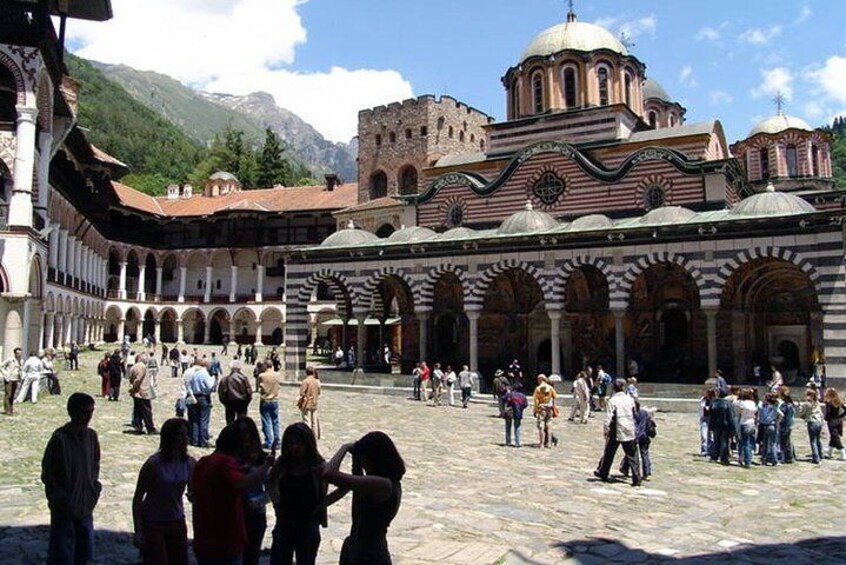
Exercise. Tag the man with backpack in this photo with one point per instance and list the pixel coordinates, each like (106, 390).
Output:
(500, 388)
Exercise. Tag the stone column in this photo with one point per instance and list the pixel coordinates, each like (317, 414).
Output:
(142, 274)
(67, 327)
(157, 331)
(258, 333)
(180, 330)
(423, 320)
(159, 275)
(183, 275)
(41, 330)
(362, 336)
(45, 145)
(53, 250)
(567, 342)
(344, 340)
(63, 252)
(207, 295)
(233, 283)
(20, 204)
(473, 318)
(122, 283)
(711, 319)
(259, 283)
(207, 332)
(78, 259)
(50, 326)
(555, 339)
(620, 342)
(121, 329)
(71, 272)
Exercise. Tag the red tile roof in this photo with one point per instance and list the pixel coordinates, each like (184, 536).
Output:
(287, 199)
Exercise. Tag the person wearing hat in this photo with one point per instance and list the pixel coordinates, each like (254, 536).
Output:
(544, 410)
(500, 388)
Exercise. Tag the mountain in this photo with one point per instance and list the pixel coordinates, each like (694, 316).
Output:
(202, 115)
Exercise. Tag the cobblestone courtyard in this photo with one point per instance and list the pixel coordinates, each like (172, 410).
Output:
(466, 498)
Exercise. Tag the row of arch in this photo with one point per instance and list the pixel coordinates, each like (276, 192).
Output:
(407, 179)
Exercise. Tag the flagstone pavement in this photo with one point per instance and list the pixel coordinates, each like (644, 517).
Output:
(467, 499)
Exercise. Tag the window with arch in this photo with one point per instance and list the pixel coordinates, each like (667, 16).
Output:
(378, 185)
(672, 120)
(441, 123)
(627, 87)
(378, 139)
(537, 92)
(653, 119)
(764, 159)
(654, 197)
(392, 137)
(455, 215)
(8, 96)
(570, 87)
(408, 180)
(815, 160)
(408, 133)
(602, 80)
(461, 136)
(549, 188)
(514, 101)
(792, 161)
(450, 132)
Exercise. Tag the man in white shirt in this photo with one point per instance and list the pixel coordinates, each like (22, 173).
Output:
(581, 399)
(31, 373)
(11, 380)
(620, 430)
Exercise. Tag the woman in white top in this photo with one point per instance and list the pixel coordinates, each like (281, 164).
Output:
(450, 379)
(747, 411)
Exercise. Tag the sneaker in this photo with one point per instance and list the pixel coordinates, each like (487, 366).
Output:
(554, 441)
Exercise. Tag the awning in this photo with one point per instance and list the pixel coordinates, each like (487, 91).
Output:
(367, 322)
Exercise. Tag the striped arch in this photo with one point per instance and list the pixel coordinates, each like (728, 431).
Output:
(560, 284)
(372, 283)
(324, 275)
(748, 255)
(427, 288)
(20, 84)
(623, 293)
(486, 278)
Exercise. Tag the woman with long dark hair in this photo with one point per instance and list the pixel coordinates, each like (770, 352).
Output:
(377, 471)
(255, 498)
(157, 507)
(299, 495)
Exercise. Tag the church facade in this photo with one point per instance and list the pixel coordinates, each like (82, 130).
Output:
(593, 225)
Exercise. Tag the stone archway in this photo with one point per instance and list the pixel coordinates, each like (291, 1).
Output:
(588, 334)
(392, 306)
(450, 343)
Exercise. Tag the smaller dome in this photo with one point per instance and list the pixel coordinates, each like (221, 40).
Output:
(667, 215)
(527, 221)
(349, 237)
(779, 123)
(772, 203)
(223, 175)
(411, 234)
(457, 233)
(652, 89)
(591, 222)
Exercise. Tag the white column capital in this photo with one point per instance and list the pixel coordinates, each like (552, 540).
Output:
(27, 114)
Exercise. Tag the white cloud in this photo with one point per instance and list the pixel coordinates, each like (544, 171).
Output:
(237, 46)
(634, 28)
(720, 98)
(813, 110)
(686, 77)
(805, 12)
(831, 78)
(756, 36)
(777, 80)
(708, 34)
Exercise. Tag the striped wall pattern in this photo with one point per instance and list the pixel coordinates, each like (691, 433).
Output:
(370, 286)
(709, 262)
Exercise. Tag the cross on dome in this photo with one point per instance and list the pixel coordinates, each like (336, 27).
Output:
(779, 100)
(571, 15)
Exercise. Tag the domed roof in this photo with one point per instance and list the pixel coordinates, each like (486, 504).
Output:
(779, 123)
(457, 233)
(772, 203)
(574, 36)
(591, 222)
(411, 234)
(348, 237)
(527, 221)
(652, 89)
(667, 215)
(223, 175)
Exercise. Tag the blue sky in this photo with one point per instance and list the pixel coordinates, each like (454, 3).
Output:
(324, 59)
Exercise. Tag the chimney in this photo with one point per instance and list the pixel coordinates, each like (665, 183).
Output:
(332, 181)
(173, 192)
(187, 191)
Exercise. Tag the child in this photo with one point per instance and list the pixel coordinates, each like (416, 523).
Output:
(645, 430)
(811, 412)
(768, 417)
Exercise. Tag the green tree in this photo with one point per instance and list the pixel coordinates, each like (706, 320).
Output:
(230, 151)
(273, 167)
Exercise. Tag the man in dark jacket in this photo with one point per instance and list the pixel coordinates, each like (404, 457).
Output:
(235, 392)
(116, 369)
(70, 471)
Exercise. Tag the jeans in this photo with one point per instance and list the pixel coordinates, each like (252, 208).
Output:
(645, 460)
(415, 383)
(720, 444)
(769, 445)
(256, 526)
(704, 444)
(517, 423)
(269, 410)
(289, 538)
(785, 441)
(199, 415)
(466, 392)
(814, 430)
(71, 540)
(630, 449)
(747, 444)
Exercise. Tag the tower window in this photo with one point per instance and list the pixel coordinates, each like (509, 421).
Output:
(570, 88)
(602, 75)
(378, 139)
(815, 160)
(392, 137)
(628, 88)
(378, 185)
(764, 158)
(654, 197)
(537, 92)
(792, 162)
(653, 119)
(450, 132)
(515, 100)
(408, 133)
(424, 131)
